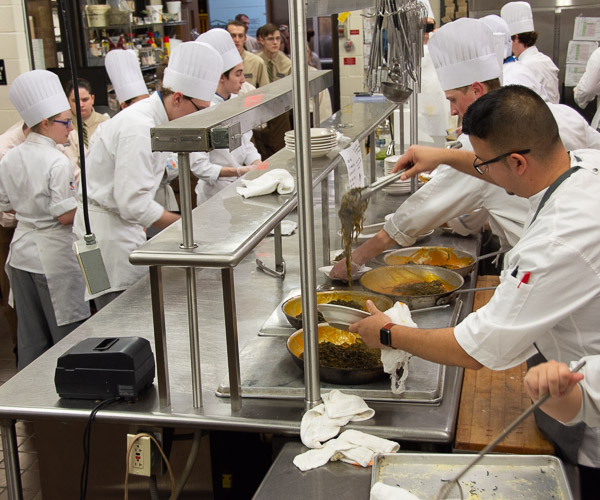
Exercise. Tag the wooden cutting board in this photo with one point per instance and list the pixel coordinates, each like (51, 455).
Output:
(490, 400)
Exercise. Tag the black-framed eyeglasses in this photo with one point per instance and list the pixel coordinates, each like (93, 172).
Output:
(195, 105)
(482, 171)
(66, 123)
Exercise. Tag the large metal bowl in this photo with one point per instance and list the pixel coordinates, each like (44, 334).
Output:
(342, 376)
(293, 307)
(392, 258)
(384, 279)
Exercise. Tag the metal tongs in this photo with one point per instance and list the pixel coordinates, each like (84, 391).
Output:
(449, 484)
(380, 183)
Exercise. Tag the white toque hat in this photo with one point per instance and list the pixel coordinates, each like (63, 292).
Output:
(36, 95)
(518, 16)
(221, 40)
(194, 69)
(125, 74)
(499, 25)
(463, 53)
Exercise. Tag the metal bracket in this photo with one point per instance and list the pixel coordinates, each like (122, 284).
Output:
(226, 137)
(279, 273)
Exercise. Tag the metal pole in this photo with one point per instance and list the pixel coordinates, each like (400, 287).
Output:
(308, 280)
(11, 460)
(372, 159)
(160, 336)
(325, 220)
(231, 338)
(185, 194)
(401, 120)
(414, 112)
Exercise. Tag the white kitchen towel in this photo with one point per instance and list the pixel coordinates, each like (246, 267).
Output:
(395, 361)
(352, 447)
(325, 420)
(278, 179)
(382, 491)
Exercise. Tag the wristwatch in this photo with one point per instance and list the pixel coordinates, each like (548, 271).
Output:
(385, 334)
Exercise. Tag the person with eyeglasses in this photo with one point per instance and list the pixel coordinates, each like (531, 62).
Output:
(467, 68)
(546, 305)
(124, 174)
(38, 184)
(270, 139)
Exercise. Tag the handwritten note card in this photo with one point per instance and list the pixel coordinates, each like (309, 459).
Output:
(352, 155)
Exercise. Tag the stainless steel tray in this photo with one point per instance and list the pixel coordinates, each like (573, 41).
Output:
(510, 477)
(268, 371)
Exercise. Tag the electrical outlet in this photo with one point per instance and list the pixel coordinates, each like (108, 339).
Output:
(140, 456)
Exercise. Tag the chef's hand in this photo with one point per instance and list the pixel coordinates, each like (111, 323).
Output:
(368, 328)
(552, 377)
(418, 159)
(339, 271)
(242, 170)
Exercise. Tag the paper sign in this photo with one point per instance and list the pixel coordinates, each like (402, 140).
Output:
(573, 73)
(354, 163)
(579, 51)
(587, 28)
(343, 16)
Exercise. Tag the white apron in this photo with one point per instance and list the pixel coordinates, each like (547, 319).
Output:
(119, 240)
(62, 271)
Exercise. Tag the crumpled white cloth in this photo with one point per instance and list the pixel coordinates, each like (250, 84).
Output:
(278, 179)
(382, 491)
(395, 359)
(352, 447)
(325, 420)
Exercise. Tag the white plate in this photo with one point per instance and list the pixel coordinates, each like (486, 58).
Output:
(313, 140)
(316, 132)
(341, 316)
(314, 154)
(327, 269)
(313, 145)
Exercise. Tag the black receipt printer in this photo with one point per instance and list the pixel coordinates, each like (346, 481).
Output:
(101, 368)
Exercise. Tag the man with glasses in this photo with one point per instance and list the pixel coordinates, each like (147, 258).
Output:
(467, 68)
(124, 173)
(549, 293)
(270, 139)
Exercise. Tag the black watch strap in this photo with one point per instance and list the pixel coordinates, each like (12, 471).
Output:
(385, 334)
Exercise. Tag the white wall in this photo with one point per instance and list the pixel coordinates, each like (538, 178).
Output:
(352, 75)
(13, 49)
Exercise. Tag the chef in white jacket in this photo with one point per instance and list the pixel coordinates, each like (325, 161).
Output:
(37, 182)
(123, 172)
(549, 293)
(451, 194)
(220, 167)
(519, 18)
(574, 397)
(588, 87)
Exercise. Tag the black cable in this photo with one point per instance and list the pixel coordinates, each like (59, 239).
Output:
(68, 37)
(87, 436)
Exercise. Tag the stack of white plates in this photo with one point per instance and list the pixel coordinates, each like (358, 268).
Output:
(322, 141)
(397, 187)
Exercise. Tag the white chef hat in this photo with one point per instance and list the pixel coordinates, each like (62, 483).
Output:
(221, 40)
(463, 52)
(36, 95)
(194, 69)
(518, 16)
(499, 25)
(125, 74)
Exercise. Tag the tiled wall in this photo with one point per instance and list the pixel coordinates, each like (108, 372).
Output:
(13, 49)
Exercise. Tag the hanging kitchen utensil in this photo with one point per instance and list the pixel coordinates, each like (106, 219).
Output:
(449, 484)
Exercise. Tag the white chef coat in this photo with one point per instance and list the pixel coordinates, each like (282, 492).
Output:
(557, 310)
(589, 86)
(123, 175)
(543, 67)
(207, 166)
(574, 130)
(451, 193)
(37, 181)
(516, 73)
(590, 385)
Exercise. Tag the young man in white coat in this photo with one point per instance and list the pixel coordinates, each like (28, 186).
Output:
(588, 88)
(467, 68)
(37, 182)
(519, 18)
(123, 172)
(549, 294)
(220, 167)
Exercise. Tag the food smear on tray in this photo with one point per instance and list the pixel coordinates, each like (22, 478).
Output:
(352, 217)
(431, 256)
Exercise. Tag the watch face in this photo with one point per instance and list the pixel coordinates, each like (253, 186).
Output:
(385, 336)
